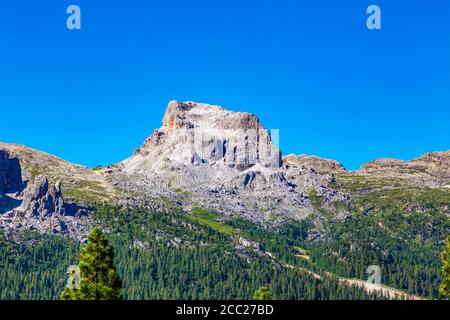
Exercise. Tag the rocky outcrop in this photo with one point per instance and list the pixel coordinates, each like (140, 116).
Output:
(41, 207)
(435, 163)
(34, 162)
(316, 176)
(250, 244)
(10, 173)
(320, 165)
(41, 200)
(431, 169)
(195, 133)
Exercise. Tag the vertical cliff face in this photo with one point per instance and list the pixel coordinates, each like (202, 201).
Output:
(226, 159)
(41, 199)
(10, 173)
(195, 133)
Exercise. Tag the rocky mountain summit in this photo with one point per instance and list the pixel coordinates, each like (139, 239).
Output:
(194, 133)
(202, 156)
(207, 156)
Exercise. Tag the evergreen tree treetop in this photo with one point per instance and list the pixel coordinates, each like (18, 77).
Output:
(99, 280)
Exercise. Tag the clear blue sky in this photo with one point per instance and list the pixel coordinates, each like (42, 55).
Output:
(310, 68)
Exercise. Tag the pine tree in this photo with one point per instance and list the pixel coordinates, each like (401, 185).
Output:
(99, 280)
(262, 293)
(445, 286)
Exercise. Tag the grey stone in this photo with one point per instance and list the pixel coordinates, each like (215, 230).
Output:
(10, 173)
(41, 200)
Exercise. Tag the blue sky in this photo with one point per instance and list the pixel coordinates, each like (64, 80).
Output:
(309, 68)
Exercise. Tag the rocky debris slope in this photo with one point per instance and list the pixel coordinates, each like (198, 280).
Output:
(316, 176)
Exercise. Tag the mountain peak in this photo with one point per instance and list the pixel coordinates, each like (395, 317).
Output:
(201, 115)
(194, 133)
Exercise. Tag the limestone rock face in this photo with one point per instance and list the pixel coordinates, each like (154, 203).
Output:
(436, 163)
(313, 162)
(41, 200)
(195, 133)
(41, 207)
(44, 210)
(205, 155)
(10, 173)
